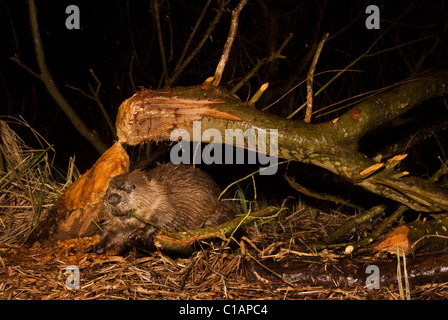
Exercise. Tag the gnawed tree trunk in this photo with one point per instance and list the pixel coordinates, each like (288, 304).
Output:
(154, 114)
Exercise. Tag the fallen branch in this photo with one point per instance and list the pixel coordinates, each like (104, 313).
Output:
(354, 222)
(182, 242)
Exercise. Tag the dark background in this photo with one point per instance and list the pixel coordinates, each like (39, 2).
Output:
(114, 33)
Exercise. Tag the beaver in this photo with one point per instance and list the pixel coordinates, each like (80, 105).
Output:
(173, 197)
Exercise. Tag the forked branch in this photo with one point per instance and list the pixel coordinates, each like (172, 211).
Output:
(45, 76)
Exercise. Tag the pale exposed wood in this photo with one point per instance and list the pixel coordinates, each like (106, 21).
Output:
(153, 115)
(94, 182)
(74, 213)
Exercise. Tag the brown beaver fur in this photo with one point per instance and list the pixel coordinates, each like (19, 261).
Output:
(174, 197)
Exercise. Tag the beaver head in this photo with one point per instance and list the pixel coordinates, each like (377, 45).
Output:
(129, 191)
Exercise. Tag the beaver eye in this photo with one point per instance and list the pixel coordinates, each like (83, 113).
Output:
(130, 187)
(126, 187)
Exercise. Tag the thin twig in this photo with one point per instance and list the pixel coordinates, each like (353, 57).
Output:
(192, 34)
(188, 271)
(95, 97)
(249, 176)
(100, 103)
(274, 56)
(362, 56)
(309, 79)
(231, 37)
(177, 71)
(297, 85)
(131, 65)
(17, 60)
(160, 38)
(326, 197)
(279, 276)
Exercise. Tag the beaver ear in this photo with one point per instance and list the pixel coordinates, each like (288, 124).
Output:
(148, 176)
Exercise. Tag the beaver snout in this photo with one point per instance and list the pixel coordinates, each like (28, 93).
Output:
(114, 198)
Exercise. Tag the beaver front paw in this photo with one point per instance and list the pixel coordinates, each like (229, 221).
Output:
(142, 237)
